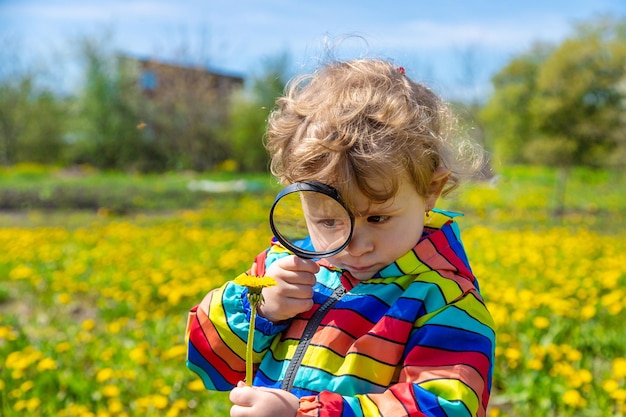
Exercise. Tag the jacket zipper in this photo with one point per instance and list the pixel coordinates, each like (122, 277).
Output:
(307, 335)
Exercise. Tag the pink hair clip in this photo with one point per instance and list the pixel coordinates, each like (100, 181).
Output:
(401, 70)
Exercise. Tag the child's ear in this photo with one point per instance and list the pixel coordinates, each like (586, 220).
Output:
(437, 181)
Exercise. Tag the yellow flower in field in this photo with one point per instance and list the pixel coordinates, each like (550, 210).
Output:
(176, 351)
(65, 298)
(574, 355)
(580, 377)
(573, 398)
(541, 322)
(63, 347)
(20, 360)
(104, 374)
(180, 404)
(494, 412)
(619, 395)
(1, 385)
(159, 401)
(619, 368)
(46, 364)
(19, 405)
(8, 333)
(115, 406)
(513, 354)
(21, 272)
(554, 352)
(585, 376)
(610, 385)
(33, 404)
(138, 355)
(587, 312)
(88, 325)
(110, 391)
(535, 364)
(196, 385)
(27, 386)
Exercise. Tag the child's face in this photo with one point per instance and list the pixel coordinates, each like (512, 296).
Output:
(383, 232)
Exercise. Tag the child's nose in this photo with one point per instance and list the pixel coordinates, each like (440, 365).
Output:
(361, 242)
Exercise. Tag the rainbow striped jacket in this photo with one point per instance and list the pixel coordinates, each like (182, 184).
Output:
(415, 340)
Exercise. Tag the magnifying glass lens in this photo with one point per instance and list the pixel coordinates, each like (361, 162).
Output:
(311, 223)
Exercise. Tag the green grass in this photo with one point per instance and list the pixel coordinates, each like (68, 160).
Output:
(517, 197)
(33, 187)
(93, 301)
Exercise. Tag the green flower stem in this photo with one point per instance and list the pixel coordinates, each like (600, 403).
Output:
(255, 299)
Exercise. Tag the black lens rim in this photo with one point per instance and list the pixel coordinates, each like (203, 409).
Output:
(318, 187)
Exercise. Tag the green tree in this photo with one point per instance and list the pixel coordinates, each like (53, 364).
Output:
(106, 133)
(507, 114)
(31, 117)
(578, 110)
(564, 105)
(249, 112)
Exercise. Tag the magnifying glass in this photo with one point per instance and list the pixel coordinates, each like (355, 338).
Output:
(311, 220)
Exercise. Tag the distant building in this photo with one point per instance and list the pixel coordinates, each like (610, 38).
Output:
(167, 84)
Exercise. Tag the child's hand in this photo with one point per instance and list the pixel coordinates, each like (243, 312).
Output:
(262, 402)
(294, 293)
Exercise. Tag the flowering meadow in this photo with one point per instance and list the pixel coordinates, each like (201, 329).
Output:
(93, 313)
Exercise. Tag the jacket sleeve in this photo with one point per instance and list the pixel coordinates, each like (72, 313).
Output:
(216, 336)
(217, 330)
(446, 371)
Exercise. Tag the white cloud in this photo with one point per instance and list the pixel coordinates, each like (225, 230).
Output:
(503, 35)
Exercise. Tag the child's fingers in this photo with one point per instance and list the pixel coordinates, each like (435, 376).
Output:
(242, 395)
(294, 263)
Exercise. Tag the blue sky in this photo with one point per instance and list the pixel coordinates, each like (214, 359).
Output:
(433, 40)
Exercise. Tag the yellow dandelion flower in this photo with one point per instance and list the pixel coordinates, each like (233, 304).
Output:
(494, 412)
(254, 284)
(46, 364)
(19, 405)
(585, 376)
(159, 401)
(574, 355)
(33, 404)
(8, 333)
(65, 298)
(21, 272)
(541, 322)
(27, 386)
(115, 406)
(196, 385)
(180, 404)
(110, 391)
(619, 395)
(176, 351)
(63, 347)
(573, 398)
(535, 364)
(587, 312)
(610, 385)
(88, 324)
(619, 368)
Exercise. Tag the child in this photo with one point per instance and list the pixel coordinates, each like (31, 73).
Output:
(394, 324)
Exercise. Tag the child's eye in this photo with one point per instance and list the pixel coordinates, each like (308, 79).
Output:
(378, 219)
(328, 222)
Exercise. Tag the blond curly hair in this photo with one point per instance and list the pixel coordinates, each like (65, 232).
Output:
(363, 122)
